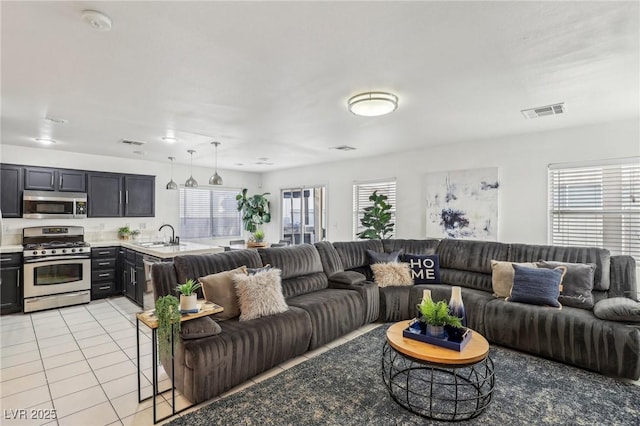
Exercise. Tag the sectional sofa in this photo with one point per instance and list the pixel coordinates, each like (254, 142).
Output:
(330, 292)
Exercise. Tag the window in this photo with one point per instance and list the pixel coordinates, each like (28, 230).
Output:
(596, 205)
(304, 214)
(361, 193)
(209, 213)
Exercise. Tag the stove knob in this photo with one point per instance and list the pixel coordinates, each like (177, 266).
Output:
(64, 250)
(43, 252)
(73, 250)
(35, 253)
(53, 252)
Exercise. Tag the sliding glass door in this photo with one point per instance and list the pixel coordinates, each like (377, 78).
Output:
(303, 215)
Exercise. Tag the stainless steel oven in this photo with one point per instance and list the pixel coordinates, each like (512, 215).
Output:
(57, 267)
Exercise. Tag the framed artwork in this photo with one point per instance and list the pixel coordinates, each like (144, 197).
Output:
(463, 204)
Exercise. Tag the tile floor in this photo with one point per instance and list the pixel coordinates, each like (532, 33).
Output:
(81, 362)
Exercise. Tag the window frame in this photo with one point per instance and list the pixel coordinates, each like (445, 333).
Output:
(380, 185)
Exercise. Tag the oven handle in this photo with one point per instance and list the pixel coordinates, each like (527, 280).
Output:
(54, 258)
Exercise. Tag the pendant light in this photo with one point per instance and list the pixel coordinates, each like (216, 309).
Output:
(172, 184)
(191, 182)
(215, 179)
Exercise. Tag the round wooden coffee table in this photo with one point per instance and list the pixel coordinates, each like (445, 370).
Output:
(436, 382)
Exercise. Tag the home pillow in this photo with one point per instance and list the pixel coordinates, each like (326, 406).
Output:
(425, 269)
(618, 309)
(220, 289)
(260, 295)
(502, 276)
(536, 286)
(577, 283)
(198, 328)
(377, 257)
(391, 274)
(348, 277)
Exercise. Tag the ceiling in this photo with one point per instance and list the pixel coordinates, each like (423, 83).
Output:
(270, 80)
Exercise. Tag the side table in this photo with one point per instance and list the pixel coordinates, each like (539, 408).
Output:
(149, 319)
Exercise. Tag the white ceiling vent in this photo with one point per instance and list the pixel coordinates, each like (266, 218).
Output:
(543, 111)
(130, 142)
(343, 148)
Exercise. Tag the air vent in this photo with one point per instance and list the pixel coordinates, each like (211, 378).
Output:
(543, 111)
(343, 148)
(263, 163)
(130, 142)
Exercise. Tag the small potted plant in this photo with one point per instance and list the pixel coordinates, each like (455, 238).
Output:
(134, 233)
(188, 296)
(168, 314)
(255, 212)
(435, 316)
(124, 233)
(258, 236)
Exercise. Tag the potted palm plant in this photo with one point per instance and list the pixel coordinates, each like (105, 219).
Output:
(255, 212)
(435, 316)
(188, 296)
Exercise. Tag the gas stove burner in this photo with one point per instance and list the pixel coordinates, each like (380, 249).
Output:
(41, 242)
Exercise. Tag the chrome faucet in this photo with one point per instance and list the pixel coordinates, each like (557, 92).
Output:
(174, 239)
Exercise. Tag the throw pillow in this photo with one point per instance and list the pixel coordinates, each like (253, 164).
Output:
(577, 284)
(260, 295)
(220, 289)
(618, 309)
(377, 257)
(536, 286)
(253, 271)
(502, 276)
(391, 274)
(198, 328)
(425, 269)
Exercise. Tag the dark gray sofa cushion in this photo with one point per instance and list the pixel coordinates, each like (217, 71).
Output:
(329, 257)
(476, 280)
(198, 328)
(209, 366)
(473, 256)
(301, 268)
(535, 253)
(570, 335)
(333, 313)
(354, 253)
(348, 277)
(618, 309)
(201, 265)
(623, 277)
(422, 247)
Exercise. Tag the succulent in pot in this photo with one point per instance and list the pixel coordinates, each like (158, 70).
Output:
(258, 236)
(188, 296)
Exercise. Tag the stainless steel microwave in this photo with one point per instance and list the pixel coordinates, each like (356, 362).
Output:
(54, 205)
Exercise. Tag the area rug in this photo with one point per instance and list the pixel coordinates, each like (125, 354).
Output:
(344, 387)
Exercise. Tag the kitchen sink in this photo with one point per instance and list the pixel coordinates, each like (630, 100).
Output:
(155, 244)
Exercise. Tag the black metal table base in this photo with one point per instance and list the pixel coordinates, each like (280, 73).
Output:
(154, 372)
(435, 391)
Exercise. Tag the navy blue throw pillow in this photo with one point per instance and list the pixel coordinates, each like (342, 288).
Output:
(377, 257)
(536, 286)
(425, 269)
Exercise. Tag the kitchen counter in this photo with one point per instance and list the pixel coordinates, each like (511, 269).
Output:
(16, 248)
(160, 252)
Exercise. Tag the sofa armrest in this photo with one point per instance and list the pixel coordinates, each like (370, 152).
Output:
(348, 277)
(370, 295)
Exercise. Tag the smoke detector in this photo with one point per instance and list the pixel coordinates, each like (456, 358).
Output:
(543, 111)
(98, 21)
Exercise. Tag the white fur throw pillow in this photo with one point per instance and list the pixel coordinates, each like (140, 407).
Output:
(260, 295)
(389, 274)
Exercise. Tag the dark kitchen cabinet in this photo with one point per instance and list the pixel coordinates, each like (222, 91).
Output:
(50, 179)
(11, 185)
(10, 283)
(133, 276)
(140, 192)
(103, 272)
(104, 194)
(116, 195)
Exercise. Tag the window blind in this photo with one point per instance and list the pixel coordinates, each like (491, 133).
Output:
(209, 213)
(596, 205)
(361, 193)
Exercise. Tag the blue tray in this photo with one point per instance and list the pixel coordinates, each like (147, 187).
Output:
(410, 333)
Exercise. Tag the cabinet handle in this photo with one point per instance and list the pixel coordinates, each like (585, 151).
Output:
(18, 279)
(51, 179)
(106, 287)
(60, 181)
(119, 197)
(103, 263)
(126, 197)
(5, 259)
(103, 252)
(103, 275)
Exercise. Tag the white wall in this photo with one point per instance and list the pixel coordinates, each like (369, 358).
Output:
(522, 162)
(167, 202)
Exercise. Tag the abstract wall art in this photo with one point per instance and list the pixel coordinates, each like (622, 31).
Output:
(463, 204)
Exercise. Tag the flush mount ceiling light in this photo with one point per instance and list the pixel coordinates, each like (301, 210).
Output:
(98, 21)
(191, 182)
(172, 184)
(215, 179)
(45, 141)
(373, 104)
